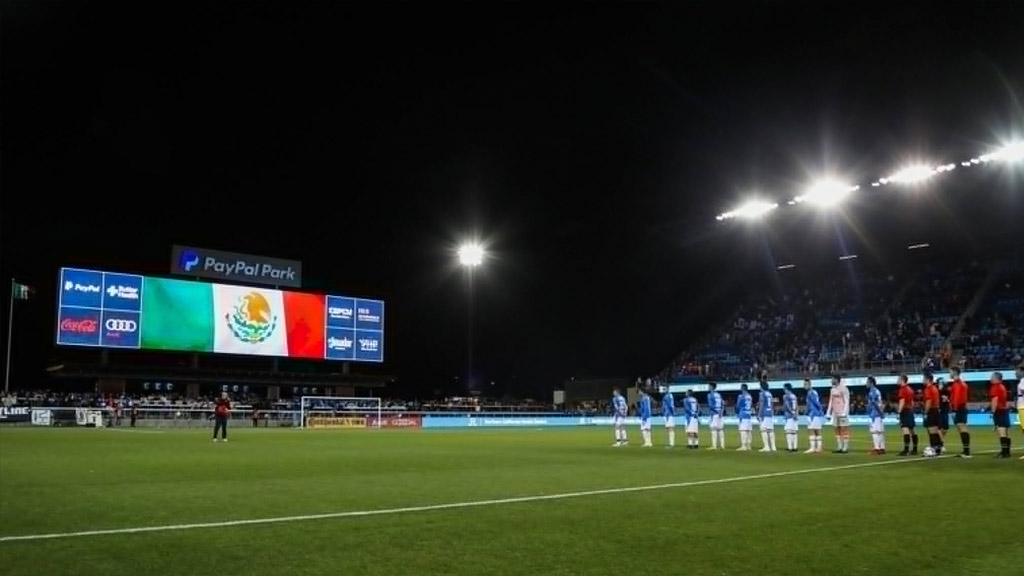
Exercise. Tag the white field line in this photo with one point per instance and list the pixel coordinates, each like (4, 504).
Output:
(452, 505)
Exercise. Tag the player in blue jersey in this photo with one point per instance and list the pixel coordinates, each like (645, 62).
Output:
(744, 413)
(815, 415)
(766, 416)
(876, 412)
(643, 411)
(619, 410)
(668, 410)
(717, 422)
(691, 414)
(791, 411)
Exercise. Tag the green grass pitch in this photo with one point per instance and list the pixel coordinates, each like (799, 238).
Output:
(704, 513)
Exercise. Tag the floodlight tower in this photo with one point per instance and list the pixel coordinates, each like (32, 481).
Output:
(471, 255)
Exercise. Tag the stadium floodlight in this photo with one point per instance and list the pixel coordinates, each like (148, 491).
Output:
(785, 266)
(826, 193)
(914, 174)
(847, 257)
(1013, 152)
(471, 254)
(920, 246)
(749, 210)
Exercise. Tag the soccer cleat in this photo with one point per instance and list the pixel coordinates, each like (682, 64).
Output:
(1002, 455)
(963, 456)
(810, 451)
(1021, 458)
(647, 445)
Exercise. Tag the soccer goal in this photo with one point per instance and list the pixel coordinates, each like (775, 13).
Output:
(339, 412)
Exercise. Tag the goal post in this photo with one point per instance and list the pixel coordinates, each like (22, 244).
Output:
(339, 412)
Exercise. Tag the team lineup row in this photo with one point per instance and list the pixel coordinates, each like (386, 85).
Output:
(837, 411)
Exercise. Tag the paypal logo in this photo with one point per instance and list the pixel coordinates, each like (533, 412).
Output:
(189, 260)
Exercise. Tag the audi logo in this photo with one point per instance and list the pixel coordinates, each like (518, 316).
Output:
(120, 325)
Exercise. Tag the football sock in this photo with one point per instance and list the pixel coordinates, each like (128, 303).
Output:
(1004, 446)
(671, 437)
(906, 442)
(965, 439)
(914, 439)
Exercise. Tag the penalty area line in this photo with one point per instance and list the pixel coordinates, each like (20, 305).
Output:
(453, 505)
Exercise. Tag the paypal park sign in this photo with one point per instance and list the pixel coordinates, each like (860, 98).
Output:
(235, 267)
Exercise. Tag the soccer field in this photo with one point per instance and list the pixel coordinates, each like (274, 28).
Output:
(537, 502)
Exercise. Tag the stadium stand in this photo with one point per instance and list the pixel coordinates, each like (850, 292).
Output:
(867, 323)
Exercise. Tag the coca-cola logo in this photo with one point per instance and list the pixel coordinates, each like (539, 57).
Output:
(79, 326)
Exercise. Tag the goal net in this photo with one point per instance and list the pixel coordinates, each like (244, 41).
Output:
(339, 412)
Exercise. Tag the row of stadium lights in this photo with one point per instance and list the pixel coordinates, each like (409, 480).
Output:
(831, 192)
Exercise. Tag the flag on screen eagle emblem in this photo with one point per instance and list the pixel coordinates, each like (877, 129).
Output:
(252, 321)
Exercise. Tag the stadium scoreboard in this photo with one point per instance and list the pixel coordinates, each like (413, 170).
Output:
(116, 310)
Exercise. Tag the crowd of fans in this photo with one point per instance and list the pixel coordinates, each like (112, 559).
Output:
(879, 323)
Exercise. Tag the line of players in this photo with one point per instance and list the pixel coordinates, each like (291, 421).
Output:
(936, 416)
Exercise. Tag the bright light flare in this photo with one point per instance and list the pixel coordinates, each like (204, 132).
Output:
(826, 193)
(749, 210)
(471, 255)
(914, 174)
(1013, 152)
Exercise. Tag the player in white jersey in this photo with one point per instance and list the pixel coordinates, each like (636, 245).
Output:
(839, 411)
(619, 410)
(1020, 397)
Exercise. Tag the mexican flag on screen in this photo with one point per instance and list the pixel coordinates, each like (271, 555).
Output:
(195, 316)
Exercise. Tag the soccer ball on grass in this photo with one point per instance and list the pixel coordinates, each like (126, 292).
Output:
(929, 452)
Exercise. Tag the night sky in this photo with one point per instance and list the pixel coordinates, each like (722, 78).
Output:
(588, 146)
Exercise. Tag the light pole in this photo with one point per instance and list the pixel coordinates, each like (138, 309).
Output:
(470, 256)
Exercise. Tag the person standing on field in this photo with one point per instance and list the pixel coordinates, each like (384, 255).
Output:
(221, 413)
(958, 403)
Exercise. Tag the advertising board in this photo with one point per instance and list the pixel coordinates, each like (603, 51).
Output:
(111, 310)
(335, 422)
(395, 421)
(544, 421)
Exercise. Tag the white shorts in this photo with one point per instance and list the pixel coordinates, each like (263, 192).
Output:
(766, 423)
(618, 421)
(814, 423)
(670, 421)
(792, 425)
(745, 425)
(645, 424)
(843, 421)
(716, 422)
(693, 426)
(877, 426)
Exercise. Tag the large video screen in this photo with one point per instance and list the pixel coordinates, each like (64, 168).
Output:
(112, 310)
